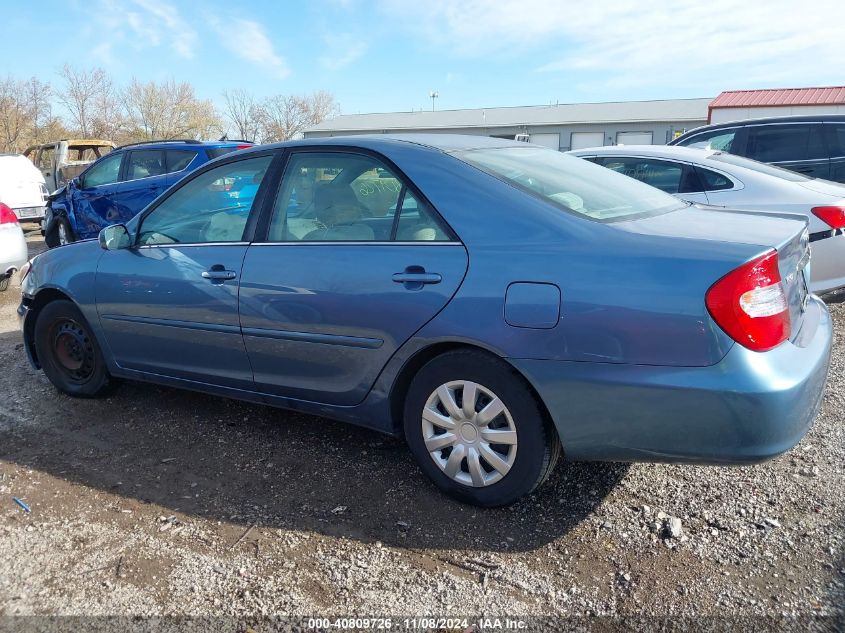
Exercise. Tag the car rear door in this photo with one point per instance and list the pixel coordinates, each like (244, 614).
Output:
(353, 262)
(169, 304)
(797, 146)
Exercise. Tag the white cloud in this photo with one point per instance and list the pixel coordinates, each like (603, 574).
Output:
(248, 40)
(139, 25)
(341, 50)
(780, 41)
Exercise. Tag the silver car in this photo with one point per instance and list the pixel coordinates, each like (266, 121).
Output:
(13, 251)
(725, 180)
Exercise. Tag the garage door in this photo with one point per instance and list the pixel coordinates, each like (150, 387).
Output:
(634, 138)
(546, 140)
(580, 140)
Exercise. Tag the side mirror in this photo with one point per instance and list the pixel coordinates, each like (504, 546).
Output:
(114, 237)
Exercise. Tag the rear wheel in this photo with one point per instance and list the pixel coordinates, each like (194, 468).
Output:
(476, 429)
(68, 352)
(4, 283)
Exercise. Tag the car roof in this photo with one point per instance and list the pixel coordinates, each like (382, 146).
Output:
(677, 152)
(793, 118)
(376, 142)
(183, 144)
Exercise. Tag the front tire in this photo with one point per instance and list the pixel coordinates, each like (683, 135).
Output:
(59, 234)
(69, 354)
(476, 429)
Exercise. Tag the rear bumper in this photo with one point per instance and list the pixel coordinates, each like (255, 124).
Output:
(30, 214)
(749, 407)
(827, 264)
(13, 251)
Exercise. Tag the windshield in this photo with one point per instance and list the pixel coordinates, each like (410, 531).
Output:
(571, 183)
(763, 168)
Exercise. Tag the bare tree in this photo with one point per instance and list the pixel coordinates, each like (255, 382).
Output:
(14, 117)
(38, 99)
(322, 105)
(286, 117)
(168, 110)
(84, 95)
(243, 113)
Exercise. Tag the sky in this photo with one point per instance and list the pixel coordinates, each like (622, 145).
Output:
(389, 55)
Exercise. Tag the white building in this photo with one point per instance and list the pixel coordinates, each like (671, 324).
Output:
(561, 126)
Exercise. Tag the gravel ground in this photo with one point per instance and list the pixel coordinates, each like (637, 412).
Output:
(157, 502)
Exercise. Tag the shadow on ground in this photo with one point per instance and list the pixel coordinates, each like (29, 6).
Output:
(235, 462)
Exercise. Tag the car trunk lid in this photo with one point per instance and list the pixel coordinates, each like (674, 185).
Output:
(785, 233)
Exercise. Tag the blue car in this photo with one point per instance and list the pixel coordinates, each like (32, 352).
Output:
(119, 185)
(495, 303)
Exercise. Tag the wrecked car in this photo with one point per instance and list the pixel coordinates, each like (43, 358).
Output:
(63, 160)
(119, 185)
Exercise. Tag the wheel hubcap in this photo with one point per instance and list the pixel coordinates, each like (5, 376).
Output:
(73, 350)
(469, 433)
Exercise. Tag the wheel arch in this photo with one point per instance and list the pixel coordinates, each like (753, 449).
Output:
(401, 384)
(37, 303)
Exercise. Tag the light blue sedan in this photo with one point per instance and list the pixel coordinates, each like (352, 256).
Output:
(496, 303)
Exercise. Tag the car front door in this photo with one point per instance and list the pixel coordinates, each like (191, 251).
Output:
(169, 304)
(93, 194)
(353, 262)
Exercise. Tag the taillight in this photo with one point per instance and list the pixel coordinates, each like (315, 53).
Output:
(243, 146)
(832, 216)
(749, 303)
(7, 216)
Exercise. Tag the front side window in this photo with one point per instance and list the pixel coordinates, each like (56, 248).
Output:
(106, 172)
(720, 140)
(343, 197)
(145, 163)
(45, 158)
(572, 184)
(212, 207)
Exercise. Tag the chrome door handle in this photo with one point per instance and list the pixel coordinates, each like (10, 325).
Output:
(219, 275)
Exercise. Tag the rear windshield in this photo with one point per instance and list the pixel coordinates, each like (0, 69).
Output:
(763, 168)
(216, 152)
(573, 184)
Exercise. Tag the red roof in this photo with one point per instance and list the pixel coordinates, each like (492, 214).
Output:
(833, 95)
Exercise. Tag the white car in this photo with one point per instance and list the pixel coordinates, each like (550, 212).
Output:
(719, 179)
(13, 251)
(22, 187)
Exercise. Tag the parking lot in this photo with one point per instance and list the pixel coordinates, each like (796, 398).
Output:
(156, 501)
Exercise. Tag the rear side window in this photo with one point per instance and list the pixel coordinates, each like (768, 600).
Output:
(178, 159)
(664, 175)
(780, 143)
(836, 139)
(713, 181)
(145, 163)
(345, 197)
(217, 152)
(722, 140)
(572, 184)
